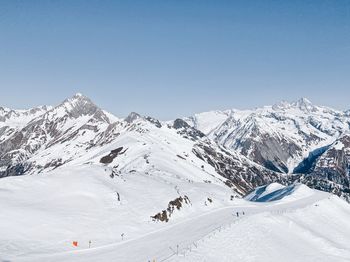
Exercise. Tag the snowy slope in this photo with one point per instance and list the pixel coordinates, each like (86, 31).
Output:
(275, 191)
(317, 232)
(207, 122)
(43, 213)
(295, 228)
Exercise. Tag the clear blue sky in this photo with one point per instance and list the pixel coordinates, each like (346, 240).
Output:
(173, 58)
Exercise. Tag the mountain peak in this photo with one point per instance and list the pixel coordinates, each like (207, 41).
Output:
(304, 104)
(282, 105)
(78, 105)
(304, 100)
(78, 95)
(132, 117)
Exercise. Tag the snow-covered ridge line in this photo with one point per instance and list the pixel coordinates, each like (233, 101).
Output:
(282, 139)
(279, 136)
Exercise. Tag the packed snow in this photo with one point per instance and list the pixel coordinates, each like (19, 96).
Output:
(315, 232)
(43, 214)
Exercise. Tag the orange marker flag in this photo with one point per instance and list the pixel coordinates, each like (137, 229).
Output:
(75, 243)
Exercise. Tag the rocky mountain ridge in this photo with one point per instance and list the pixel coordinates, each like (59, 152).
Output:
(285, 142)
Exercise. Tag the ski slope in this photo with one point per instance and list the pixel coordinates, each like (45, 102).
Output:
(305, 224)
(317, 232)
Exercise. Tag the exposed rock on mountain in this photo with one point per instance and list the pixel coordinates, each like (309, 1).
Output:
(243, 175)
(283, 143)
(278, 137)
(331, 172)
(73, 123)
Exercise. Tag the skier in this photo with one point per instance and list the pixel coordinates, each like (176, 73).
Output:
(237, 214)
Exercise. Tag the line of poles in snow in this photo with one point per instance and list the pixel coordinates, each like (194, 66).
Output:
(182, 251)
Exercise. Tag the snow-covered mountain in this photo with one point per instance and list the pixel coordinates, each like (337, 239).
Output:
(76, 131)
(278, 137)
(133, 175)
(13, 120)
(247, 148)
(331, 170)
(19, 118)
(287, 137)
(54, 137)
(74, 172)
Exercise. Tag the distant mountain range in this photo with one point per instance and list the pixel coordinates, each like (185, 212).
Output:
(238, 149)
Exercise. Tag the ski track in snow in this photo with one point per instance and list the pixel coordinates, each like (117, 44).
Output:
(316, 233)
(161, 245)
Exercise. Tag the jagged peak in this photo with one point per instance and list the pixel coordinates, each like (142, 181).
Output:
(76, 106)
(132, 117)
(304, 104)
(281, 105)
(25, 111)
(135, 117)
(78, 97)
(39, 108)
(180, 123)
(20, 117)
(303, 101)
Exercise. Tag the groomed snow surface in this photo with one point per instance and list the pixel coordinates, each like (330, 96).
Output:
(42, 214)
(317, 232)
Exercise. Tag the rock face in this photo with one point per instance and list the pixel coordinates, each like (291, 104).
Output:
(331, 172)
(242, 174)
(173, 205)
(110, 157)
(293, 138)
(186, 130)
